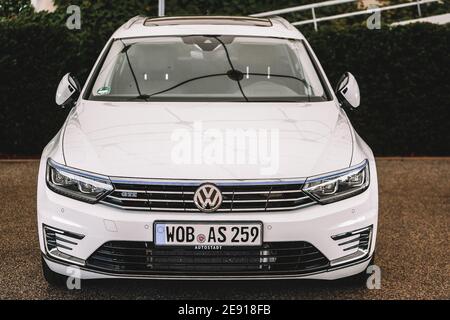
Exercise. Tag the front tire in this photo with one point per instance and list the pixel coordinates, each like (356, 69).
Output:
(53, 278)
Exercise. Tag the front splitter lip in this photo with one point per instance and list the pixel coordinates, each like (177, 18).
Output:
(212, 277)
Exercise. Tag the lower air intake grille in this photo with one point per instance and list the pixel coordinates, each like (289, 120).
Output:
(57, 239)
(354, 244)
(127, 257)
(60, 243)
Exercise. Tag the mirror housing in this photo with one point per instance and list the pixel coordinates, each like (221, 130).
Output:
(68, 91)
(347, 91)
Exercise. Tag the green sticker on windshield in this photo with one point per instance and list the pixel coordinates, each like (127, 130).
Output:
(104, 90)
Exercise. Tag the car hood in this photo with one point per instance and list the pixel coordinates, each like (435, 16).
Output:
(207, 141)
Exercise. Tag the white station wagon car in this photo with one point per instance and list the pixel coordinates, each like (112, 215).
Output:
(207, 148)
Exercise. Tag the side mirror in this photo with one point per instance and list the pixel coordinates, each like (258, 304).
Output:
(68, 91)
(347, 91)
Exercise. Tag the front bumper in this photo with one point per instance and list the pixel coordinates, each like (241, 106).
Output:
(68, 269)
(315, 225)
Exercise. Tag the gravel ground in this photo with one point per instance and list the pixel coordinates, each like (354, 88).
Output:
(412, 247)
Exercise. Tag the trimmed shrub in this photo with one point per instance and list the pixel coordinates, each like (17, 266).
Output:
(33, 58)
(404, 77)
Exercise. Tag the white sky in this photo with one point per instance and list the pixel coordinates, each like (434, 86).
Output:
(40, 5)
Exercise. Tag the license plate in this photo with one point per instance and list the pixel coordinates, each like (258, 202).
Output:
(209, 234)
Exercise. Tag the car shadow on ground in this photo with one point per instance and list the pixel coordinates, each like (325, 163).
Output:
(252, 289)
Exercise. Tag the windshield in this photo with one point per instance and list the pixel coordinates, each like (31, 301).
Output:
(207, 68)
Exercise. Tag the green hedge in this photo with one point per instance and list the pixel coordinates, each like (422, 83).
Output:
(404, 77)
(33, 58)
(403, 74)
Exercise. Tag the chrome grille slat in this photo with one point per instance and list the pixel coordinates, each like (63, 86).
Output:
(175, 209)
(267, 200)
(127, 199)
(130, 190)
(169, 192)
(124, 207)
(243, 201)
(170, 200)
(264, 192)
(61, 239)
(289, 199)
(239, 197)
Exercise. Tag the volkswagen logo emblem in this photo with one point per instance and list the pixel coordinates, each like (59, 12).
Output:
(208, 198)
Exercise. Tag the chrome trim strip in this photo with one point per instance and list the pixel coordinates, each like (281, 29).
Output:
(153, 191)
(198, 182)
(349, 233)
(338, 173)
(65, 233)
(262, 192)
(267, 209)
(170, 200)
(60, 239)
(357, 239)
(245, 201)
(266, 200)
(225, 192)
(153, 209)
(126, 199)
(123, 207)
(170, 192)
(78, 172)
(289, 199)
(123, 190)
(160, 209)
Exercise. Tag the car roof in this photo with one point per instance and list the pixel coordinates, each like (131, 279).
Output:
(197, 25)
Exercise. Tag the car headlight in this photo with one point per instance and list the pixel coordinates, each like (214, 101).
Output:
(339, 185)
(76, 184)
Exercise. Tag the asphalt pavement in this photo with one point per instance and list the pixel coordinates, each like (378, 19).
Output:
(412, 246)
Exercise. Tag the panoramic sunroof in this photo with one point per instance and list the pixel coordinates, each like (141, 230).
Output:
(217, 20)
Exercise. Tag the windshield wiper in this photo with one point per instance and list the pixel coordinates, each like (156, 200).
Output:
(234, 75)
(303, 81)
(125, 51)
(234, 72)
(237, 75)
(144, 97)
(187, 81)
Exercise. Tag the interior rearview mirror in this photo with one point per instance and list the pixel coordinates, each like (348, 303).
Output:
(68, 91)
(347, 91)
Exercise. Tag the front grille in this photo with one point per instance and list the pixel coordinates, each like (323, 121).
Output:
(129, 257)
(236, 198)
